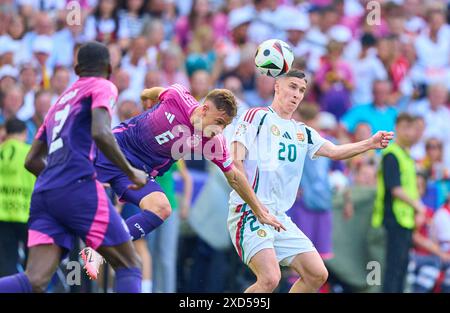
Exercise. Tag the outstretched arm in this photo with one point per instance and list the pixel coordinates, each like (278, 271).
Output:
(238, 181)
(36, 157)
(341, 152)
(150, 96)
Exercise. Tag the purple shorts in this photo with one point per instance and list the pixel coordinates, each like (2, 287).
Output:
(82, 210)
(109, 173)
(316, 225)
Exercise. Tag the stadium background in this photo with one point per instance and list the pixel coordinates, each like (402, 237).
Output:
(347, 47)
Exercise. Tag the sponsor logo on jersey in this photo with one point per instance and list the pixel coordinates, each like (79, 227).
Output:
(300, 136)
(242, 129)
(170, 117)
(287, 136)
(275, 130)
(261, 233)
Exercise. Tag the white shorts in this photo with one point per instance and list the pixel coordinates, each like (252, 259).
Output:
(249, 236)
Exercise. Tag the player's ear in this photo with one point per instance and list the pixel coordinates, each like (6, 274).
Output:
(205, 108)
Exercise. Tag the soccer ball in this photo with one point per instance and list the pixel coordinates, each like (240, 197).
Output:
(274, 57)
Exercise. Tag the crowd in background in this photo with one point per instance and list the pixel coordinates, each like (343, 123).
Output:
(363, 70)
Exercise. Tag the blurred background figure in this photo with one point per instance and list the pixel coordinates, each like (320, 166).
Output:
(16, 186)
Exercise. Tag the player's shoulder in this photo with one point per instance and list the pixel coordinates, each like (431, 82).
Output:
(100, 82)
(253, 115)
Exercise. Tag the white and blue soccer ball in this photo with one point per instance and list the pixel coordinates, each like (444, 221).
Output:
(274, 57)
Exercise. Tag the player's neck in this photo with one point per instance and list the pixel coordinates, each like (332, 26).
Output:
(279, 110)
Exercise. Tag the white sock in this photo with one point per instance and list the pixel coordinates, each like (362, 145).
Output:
(147, 286)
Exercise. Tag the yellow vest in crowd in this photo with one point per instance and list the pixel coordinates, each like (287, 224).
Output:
(403, 212)
(16, 183)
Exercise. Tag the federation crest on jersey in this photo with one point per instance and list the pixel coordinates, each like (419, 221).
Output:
(275, 130)
(194, 141)
(261, 233)
(300, 136)
(242, 129)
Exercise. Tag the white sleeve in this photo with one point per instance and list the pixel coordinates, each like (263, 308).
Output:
(246, 128)
(314, 140)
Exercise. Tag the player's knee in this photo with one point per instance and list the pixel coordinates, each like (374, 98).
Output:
(270, 281)
(38, 282)
(160, 207)
(317, 279)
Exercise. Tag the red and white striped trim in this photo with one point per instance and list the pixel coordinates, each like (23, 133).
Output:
(251, 114)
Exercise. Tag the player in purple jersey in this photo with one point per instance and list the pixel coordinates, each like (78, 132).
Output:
(68, 201)
(174, 126)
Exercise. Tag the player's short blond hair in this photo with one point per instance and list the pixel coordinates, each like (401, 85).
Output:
(224, 100)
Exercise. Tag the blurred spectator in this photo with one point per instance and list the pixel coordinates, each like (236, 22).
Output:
(238, 23)
(296, 27)
(200, 84)
(317, 36)
(246, 70)
(59, 82)
(105, 25)
(433, 46)
(171, 64)
(262, 95)
(152, 79)
(433, 162)
(135, 17)
(425, 263)
(136, 63)
(200, 14)
(121, 79)
(202, 55)
(418, 149)
(30, 84)
(366, 69)
(436, 115)
(441, 231)
(8, 78)
(8, 50)
(16, 187)
(398, 206)
(335, 81)
(42, 49)
(395, 63)
(12, 101)
(115, 55)
(379, 114)
(42, 102)
(154, 31)
(44, 25)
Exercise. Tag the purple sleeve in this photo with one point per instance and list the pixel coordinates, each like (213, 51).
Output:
(104, 95)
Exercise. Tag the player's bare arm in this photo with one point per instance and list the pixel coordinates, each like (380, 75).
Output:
(341, 152)
(239, 182)
(105, 141)
(150, 96)
(35, 161)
